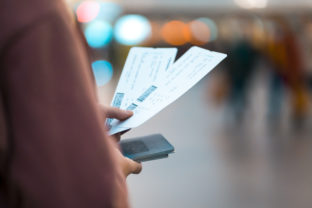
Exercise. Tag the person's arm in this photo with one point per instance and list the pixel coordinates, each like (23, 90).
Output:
(62, 156)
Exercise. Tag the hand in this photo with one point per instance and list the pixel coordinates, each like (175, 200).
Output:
(119, 114)
(127, 165)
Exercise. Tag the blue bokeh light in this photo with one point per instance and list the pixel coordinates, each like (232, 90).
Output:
(109, 11)
(98, 34)
(132, 29)
(103, 72)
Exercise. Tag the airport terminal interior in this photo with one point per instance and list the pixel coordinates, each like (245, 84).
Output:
(243, 134)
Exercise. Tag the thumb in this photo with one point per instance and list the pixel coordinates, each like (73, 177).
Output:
(117, 113)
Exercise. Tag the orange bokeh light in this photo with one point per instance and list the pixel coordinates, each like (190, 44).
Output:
(176, 33)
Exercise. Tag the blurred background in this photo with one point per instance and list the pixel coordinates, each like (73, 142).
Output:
(243, 135)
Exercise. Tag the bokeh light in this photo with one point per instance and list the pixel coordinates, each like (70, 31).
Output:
(176, 32)
(200, 32)
(98, 34)
(103, 72)
(132, 29)
(252, 4)
(87, 11)
(212, 27)
(109, 11)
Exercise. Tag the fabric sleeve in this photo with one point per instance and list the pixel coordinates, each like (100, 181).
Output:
(62, 156)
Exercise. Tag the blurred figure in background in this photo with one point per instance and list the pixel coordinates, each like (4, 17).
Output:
(306, 46)
(272, 43)
(239, 67)
(285, 56)
(55, 151)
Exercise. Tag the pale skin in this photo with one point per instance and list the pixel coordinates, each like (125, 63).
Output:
(127, 165)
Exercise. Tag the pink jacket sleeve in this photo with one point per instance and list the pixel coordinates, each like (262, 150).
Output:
(62, 156)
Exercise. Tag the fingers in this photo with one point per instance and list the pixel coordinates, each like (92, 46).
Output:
(112, 112)
(134, 167)
(127, 165)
